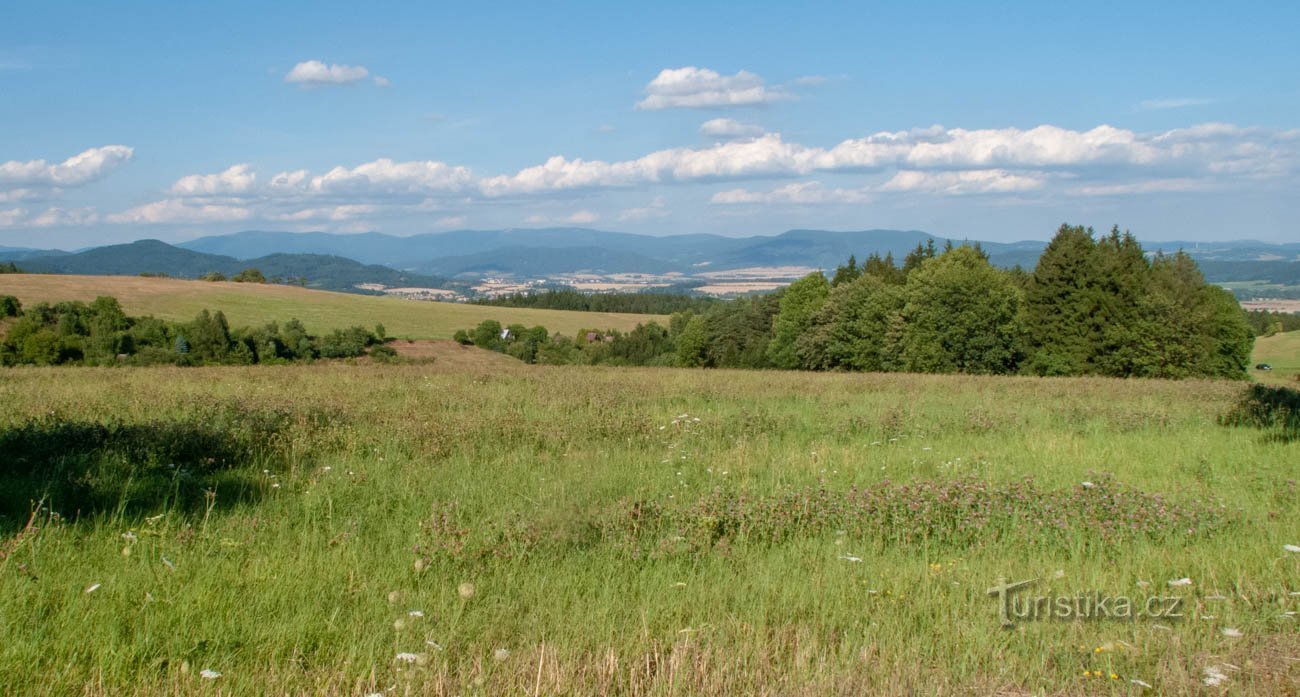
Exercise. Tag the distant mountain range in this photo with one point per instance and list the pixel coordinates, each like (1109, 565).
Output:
(341, 261)
(325, 272)
(547, 251)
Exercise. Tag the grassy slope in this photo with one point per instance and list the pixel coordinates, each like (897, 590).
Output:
(1282, 351)
(300, 579)
(252, 304)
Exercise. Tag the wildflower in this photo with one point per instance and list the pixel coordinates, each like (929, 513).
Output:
(407, 657)
(415, 613)
(129, 536)
(1113, 676)
(419, 565)
(1292, 548)
(208, 674)
(1088, 485)
(466, 590)
(92, 588)
(398, 624)
(850, 557)
(1214, 676)
(1179, 582)
(500, 655)
(167, 562)
(1139, 683)
(1231, 633)
(394, 597)
(436, 646)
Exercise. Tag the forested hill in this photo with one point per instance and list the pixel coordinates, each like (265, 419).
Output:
(319, 271)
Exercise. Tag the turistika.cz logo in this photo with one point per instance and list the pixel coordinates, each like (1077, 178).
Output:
(1017, 606)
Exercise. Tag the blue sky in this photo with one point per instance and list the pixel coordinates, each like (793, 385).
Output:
(987, 120)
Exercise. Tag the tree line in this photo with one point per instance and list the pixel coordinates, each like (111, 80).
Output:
(1093, 305)
(100, 333)
(646, 303)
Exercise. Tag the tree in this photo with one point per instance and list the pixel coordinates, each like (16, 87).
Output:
(1061, 300)
(692, 342)
(249, 275)
(850, 331)
(961, 315)
(846, 273)
(801, 301)
(10, 306)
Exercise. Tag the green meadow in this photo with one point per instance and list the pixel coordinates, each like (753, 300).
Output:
(416, 529)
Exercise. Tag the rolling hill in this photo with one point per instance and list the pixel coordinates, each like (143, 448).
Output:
(255, 304)
(324, 272)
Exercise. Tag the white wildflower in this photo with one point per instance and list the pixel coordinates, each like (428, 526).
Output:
(407, 657)
(208, 674)
(415, 613)
(466, 590)
(1292, 548)
(850, 557)
(500, 655)
(1139, 683)
(1088, 485)
(1214, 676)
(1179, 582)
(1231, 632)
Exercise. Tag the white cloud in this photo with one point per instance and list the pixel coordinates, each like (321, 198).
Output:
(451, 221)
(315, 73)
(582, 217)
(382, 82)
(17, 195)
(238, 179)
(333, 213)
(60, 217)
(701, 88)
(980, 181)
(10, 217)
(811, 192)
(1173, 103)
(82, 168)
(729, 128)
(656, 209)
(380, 177)
(180, 211)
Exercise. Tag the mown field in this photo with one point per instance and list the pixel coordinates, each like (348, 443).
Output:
(320, 311)
(1282, 352)
(335, 529)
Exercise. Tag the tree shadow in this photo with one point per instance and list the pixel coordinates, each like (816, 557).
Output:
(86, 468)
(1274, 409)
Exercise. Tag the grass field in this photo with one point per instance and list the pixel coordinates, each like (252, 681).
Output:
(255, 304)
(1282, 352)
(425, 529)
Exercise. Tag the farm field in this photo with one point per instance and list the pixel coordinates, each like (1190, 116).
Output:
(466, 529)
(1282, 352)
(248, 304)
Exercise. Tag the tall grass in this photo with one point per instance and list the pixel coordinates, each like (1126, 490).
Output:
(631, 531)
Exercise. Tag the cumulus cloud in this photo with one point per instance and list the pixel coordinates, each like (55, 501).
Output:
(314, 73)
(656, 209)
(82, 168)
(181, 211)
(60, 217)
(702, 88)
(238, 179)
(811, 192)
(934, 161)
(980, 181)
(11, 217)
(729, 128)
